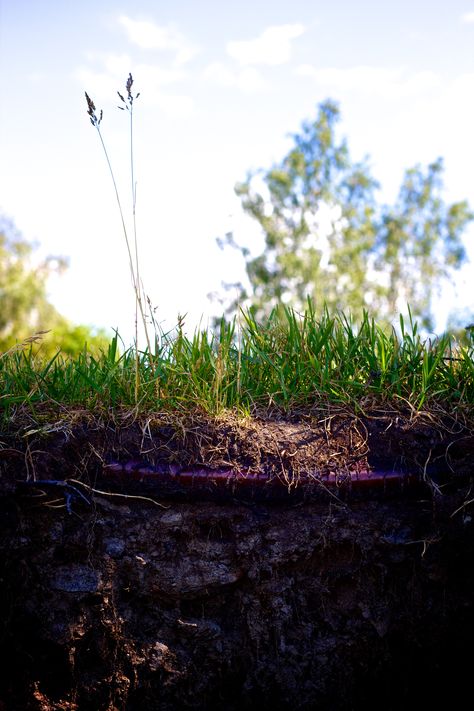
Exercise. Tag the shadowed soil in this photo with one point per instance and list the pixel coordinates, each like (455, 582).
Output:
(327, 601)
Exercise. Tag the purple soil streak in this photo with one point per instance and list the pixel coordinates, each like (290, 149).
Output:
(165, 479)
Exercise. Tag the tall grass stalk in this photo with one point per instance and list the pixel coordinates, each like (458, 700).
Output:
(134, 263)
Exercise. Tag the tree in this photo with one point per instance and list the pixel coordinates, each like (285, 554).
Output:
(328, 239)
(24, 306)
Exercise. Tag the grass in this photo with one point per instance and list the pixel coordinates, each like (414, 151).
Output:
(290, 362)
(133, 260)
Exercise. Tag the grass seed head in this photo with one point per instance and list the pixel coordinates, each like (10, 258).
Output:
(130, 98)
(128, 86)
(91, 111)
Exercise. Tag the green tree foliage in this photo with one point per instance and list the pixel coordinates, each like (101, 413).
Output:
(328, 239)
(24, 306)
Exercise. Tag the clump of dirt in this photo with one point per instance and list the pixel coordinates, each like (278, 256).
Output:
(114, 602)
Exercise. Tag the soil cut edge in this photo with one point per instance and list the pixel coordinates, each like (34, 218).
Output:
(196, 454)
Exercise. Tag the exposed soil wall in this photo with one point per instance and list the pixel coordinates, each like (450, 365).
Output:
(324, 605)
(334, 599)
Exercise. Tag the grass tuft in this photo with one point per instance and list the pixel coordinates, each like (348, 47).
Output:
(290, 362)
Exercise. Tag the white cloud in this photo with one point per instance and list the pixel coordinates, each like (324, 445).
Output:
(154, 77)
(99, 85)
(118, 65)
(116, 68)
(271, 47)
(151, 80)
(173, 105)
(464, 84)
(375, 81)
(148, 35)
(247, 79)
(468, 17)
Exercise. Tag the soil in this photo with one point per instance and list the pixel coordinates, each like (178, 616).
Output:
(123, 594)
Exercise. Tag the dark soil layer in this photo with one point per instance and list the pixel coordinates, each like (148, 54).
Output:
(328, 602)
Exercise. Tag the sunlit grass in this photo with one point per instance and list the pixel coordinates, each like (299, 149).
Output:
(290, 362)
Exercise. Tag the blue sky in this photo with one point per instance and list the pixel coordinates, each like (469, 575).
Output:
(222, 85)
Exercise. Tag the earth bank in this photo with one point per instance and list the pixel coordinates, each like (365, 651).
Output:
(328, 602)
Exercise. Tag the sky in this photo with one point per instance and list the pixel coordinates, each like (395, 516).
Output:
(222, 86)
